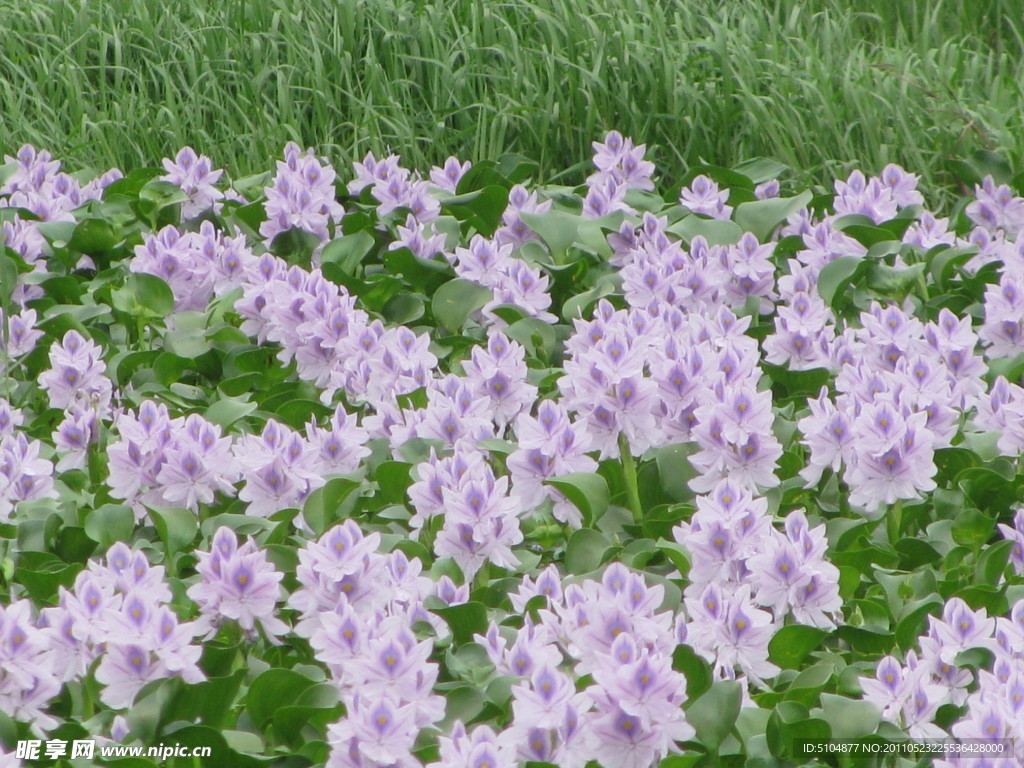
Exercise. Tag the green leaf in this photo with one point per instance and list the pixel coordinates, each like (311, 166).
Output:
(464, 620)
(146, 295)
(836, 275)
(715, 231)
(762, 216)
(992, 563)
(273, 689)
(695, 669)
(972, 529)
(186, 343)
(760, 169)
(585, 550)
(152, 707)
(558, 230)
(678, 554)
(943, 261)
(294, 244)
(348, 251)
(393, 478)
(714, 714)
(456, 300)
(462, 703)
(482, 209)
(849, 718)
(987, 163)
(402, 309)
(177, 527)
(894, 283)
(588, 492)
(228, 410)
(110, 523)
(675, 470)
(162, 193)
(93, 236)
(791, 644)
(325, 505)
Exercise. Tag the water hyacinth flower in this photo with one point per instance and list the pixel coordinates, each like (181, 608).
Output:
(24, 474)
(162, 461)
(29, 680)
(73, 437)
(77, 375)
(301, 196)
(514, 230)
(196, 177)
(121, 608)
(996, 207)
(10, 418)
(278, 469)
(1016, 535)
(619, 160)
(448, 176)
(703, 197)
(376, 732)
(475, 749)
(21, 336)
(238, 583)
(498, 373)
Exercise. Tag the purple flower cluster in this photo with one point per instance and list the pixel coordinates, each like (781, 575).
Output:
(238, 583)
(395, 187)
(302, 196)
(21, 336)
(160, 461)
(547, 446)
(37, 185)
(804, 327)
(902, 385)
(480, 521)
(1003, 329)
(77, 375)
(24, 474)
(278, 467)
(23, 237)
(421, 238)
(196, 265)
(195, 176)
(497, 374)
(448, 176)
(996, 208)
(29, 678)
(704, 197)
(620, 168)
(335, 345)
(1016, 535)
(118, 613)
(733, 545)
(910, 694)
(510, 279)
(357, 608)
(513, 229)
(73, 437)
(612, 630)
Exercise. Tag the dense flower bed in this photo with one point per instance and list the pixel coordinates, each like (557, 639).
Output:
(457, 471)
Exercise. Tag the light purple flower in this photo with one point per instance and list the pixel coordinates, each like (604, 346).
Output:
(239, 583)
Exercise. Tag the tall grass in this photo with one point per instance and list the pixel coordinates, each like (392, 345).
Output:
(816, 84)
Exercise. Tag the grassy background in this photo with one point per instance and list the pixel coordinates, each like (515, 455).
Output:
(819, 84)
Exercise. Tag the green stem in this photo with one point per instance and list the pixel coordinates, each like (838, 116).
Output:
(629, 476)
(893, 522)
(483, 576)
(923, 285)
